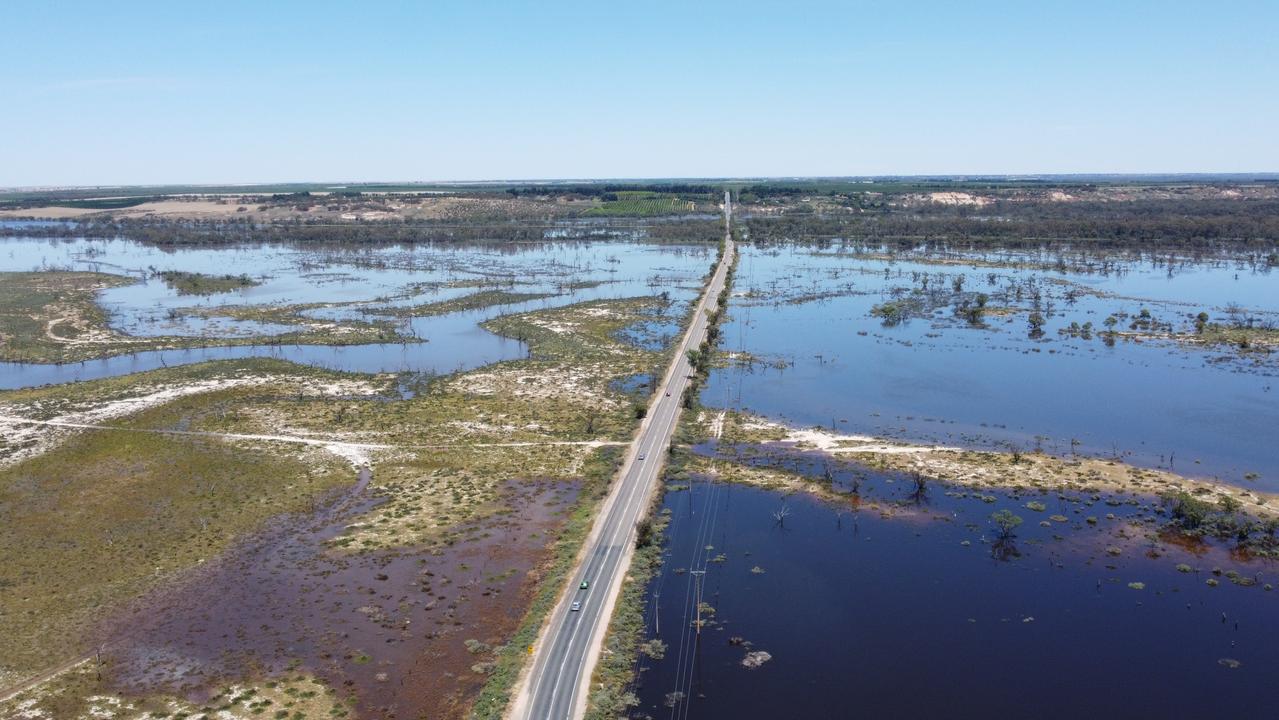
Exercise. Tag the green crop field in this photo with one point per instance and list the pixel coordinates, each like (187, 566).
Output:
(642, 203)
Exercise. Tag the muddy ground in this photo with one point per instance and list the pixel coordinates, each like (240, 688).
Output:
(399, 634)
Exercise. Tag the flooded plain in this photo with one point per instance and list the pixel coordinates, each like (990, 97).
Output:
(410, 628)
(384, 283)
(886, 594)
(875, 596)
(819, 357)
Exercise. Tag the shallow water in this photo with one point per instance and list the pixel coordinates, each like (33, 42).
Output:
(361, 279)
(1201, 411)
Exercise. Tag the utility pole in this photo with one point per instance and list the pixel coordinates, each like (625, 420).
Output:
(697, 578)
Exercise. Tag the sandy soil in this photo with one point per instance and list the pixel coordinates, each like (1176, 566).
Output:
(580, 383)
(29, 430)
(958, 198)
(1030, 471)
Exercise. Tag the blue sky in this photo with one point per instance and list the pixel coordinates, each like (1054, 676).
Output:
(159, 92)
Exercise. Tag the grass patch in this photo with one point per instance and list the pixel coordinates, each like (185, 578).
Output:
(1258, 339)
(42, 312)
(474, 301)
(190, 283)
(111, 514)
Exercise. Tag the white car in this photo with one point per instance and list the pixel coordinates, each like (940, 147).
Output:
(577, 605)
(641, 456)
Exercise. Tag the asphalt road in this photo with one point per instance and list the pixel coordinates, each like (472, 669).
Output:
(557, 685)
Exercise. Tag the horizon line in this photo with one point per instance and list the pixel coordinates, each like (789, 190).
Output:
(568, 180)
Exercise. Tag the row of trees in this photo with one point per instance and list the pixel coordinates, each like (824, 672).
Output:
(233, 231)
(606, 189)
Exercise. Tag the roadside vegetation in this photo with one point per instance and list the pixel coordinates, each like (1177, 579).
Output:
(610, 696)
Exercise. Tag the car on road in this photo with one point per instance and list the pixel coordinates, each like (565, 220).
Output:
(577, 605)
(641, 456)
(585, 584)
(668, 393)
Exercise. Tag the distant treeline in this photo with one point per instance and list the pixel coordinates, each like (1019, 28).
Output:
(232, 231)
(1186, 223)
(306, 194)
(605, 190)
(103, 203)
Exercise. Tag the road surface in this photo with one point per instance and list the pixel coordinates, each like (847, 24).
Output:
(557, 685)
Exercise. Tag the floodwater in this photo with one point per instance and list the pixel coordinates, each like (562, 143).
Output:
(896, 618)
(880, 600)
(357, 282)
(829, 362)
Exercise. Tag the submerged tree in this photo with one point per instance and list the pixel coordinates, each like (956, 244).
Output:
(919, 493)
(780, 515)
(1006, 521)
(1036, 321)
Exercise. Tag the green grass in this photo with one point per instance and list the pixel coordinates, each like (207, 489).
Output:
(593, 323)
(37, 309)
(474, 301)
(76, 694)
(1243, 338)
(53, 399)
(190, 283)
(111, 514)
